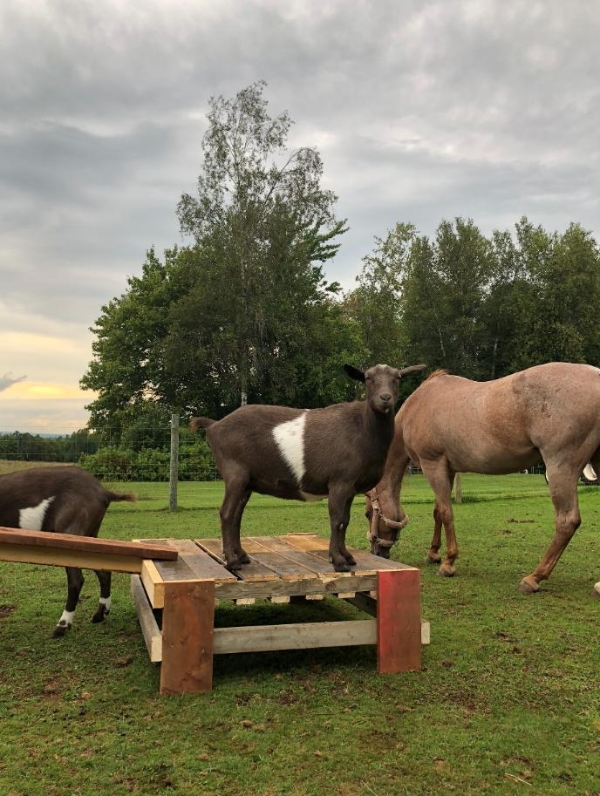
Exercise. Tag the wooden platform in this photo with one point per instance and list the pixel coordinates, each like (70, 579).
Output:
(183, 595)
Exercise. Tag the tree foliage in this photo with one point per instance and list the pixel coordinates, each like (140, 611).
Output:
(481, 307)
(244, 312)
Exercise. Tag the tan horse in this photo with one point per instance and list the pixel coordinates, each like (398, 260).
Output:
(450, 425)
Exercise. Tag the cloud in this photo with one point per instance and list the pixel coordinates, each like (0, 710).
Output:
(422, 111)
(7, 381)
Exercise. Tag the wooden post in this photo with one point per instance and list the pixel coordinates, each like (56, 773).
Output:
(457, 488)
(398, 621)
(174, 465)
(187, 637)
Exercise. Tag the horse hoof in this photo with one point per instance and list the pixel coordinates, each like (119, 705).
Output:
(59, 631)
(529, 586)
(431, 560)
(596, 590)
(446, 572)
(350, 559)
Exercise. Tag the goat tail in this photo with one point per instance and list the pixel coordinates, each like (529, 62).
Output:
(201, 422)
(114, 497)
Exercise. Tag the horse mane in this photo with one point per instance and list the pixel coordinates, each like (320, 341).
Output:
(438, 372)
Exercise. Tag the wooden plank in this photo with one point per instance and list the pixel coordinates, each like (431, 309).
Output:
(364, 602)
(201, 563)
(263, 638)
(66, 541)
(298, 557)
(262, 550)
(60, 557)
(153, 584)
(319, 547)
(249, 572)
(399, 621)
(314, 588)
(148, 623)
(187, 635)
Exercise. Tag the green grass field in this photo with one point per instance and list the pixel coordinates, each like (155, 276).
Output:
(508, 700)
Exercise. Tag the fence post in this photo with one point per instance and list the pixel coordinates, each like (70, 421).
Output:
(174, 466)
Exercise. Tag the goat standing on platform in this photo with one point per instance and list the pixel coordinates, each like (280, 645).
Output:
(64, 500)
(305, 454)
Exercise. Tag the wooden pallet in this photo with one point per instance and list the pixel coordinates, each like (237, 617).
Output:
(282, 569)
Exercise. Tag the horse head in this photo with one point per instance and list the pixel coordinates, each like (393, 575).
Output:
(384, 528)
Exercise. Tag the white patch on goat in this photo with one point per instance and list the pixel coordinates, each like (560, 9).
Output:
(32, 519)
(66, 619)
(105, 601)
(289, 437)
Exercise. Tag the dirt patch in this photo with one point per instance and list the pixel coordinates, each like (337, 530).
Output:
(7, 610)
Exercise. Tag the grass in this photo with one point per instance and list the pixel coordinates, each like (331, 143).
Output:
(507, 701)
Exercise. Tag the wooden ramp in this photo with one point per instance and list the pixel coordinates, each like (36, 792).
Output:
(176, 600)
(65, 550)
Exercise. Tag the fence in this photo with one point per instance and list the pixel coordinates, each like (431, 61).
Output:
(168, 454)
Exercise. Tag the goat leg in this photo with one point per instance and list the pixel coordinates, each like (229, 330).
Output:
(74, 585)
(339, 516)
(103, 610)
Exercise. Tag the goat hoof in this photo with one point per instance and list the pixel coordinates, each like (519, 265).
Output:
(528, 585)
(341, 567)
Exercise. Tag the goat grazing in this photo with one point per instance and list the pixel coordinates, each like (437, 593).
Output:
(64, 499)
(450, 425)
(305, 454)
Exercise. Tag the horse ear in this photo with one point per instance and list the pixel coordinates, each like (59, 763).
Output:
(354, 373)
(411, 369)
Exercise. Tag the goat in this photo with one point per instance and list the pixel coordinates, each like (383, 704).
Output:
(305, 454)
(63, 499)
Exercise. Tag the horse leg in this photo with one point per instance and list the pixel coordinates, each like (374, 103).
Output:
(563, 491)
(104, 579)
(440, 479)
(340, 501)
(74, 585)
(433, 554)
(236, 497)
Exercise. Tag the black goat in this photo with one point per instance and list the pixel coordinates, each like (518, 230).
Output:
(64, 499)
(303, 454)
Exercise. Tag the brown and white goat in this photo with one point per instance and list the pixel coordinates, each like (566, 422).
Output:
(305, 454)
(63, 499)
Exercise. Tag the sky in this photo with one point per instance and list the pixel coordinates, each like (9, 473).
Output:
(422, 111)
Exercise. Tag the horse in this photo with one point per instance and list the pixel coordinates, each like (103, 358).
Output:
(547, 413)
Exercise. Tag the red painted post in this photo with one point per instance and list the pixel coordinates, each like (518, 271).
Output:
(398, 621)
(187, 637)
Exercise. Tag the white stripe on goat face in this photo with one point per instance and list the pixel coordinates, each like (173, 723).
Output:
(32, 519)
(289, 437)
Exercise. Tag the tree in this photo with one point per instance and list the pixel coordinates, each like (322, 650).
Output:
(376, 304)
(242, 312)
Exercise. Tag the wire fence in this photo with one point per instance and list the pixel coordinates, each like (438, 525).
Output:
(167, 454)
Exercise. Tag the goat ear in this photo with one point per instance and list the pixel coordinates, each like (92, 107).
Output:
(411, 369)
(354, 373)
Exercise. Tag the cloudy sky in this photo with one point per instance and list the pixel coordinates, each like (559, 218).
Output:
(488, 109)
